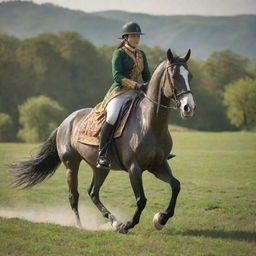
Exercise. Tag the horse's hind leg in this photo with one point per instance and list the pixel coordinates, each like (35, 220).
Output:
(164, 173)
(72, 180)
(99, 176)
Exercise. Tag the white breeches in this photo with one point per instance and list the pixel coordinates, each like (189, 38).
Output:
(114, 106)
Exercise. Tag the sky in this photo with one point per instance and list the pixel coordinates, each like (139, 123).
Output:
(162, 7)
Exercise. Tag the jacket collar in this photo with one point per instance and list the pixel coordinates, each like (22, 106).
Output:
(131, 49)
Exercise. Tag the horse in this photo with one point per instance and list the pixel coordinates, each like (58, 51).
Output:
(144, 145)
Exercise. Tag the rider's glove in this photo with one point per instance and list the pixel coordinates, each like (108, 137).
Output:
(139, 86)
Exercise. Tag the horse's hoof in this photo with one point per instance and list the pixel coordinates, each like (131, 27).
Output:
(79, 225)
(122, 230)
(115, 224)
(156, 221)
(119, 227)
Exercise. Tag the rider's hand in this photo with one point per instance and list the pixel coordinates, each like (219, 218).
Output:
(140, 86)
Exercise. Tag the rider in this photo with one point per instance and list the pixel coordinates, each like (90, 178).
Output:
(128, 63)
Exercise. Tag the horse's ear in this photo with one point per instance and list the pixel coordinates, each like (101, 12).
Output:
(187, 56)
(170, 55)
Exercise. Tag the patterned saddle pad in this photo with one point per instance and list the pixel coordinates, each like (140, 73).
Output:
(89, 130)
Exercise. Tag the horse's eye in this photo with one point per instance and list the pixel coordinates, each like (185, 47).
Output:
(190, 76)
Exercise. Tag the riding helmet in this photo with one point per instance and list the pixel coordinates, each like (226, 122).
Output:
(131, 28)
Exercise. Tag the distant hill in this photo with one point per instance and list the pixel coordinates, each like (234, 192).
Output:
(202, 34)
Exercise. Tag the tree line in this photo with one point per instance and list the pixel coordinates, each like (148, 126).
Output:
(43, 79)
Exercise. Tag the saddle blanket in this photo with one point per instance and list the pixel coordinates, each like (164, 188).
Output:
(89, 130)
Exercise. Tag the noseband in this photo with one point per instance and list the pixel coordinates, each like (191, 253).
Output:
(176, 96)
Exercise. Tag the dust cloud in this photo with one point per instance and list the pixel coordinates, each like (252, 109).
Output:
(91, 220)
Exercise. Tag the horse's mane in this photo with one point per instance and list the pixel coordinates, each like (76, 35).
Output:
(161, 61)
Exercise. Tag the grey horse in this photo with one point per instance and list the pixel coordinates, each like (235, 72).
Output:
(144, 145)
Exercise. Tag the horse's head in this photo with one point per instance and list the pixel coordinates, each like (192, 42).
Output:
(177, 83)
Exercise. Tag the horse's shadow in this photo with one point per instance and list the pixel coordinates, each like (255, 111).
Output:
(232, 234)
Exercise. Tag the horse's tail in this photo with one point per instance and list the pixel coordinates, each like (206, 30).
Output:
(35, 169)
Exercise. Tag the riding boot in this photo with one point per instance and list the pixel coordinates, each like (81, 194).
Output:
(106, 135)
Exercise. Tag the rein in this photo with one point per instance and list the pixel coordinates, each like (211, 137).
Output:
(157, 103)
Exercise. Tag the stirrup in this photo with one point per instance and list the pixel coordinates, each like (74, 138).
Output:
(103, 162)
(170, 156)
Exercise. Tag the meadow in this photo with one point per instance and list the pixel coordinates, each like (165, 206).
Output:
(215, 213)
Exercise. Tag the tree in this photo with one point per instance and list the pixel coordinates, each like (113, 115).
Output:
(90, 72)
(7, 131)
(39, 116)
(240, 99)
(222, 68)
(10, 76)
(210, 112)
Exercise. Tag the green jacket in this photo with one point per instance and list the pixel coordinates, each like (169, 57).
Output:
(122, 66)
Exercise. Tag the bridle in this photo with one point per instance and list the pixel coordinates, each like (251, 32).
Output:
(176, 96)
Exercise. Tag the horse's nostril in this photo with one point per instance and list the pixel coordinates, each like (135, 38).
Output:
(186, 108)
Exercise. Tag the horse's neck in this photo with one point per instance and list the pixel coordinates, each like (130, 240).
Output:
(153, 117)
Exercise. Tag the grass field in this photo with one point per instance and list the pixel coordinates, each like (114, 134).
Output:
(215, 214)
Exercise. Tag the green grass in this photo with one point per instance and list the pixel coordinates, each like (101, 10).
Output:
(215, 214)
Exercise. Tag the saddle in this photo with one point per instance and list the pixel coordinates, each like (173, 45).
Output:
(89, 130)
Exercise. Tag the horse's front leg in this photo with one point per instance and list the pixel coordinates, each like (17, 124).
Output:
(135, 174)
(164, 173)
